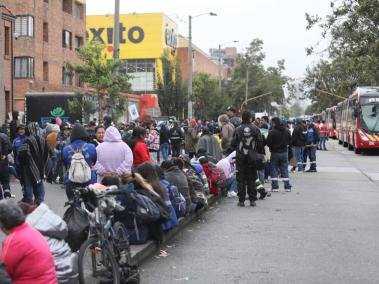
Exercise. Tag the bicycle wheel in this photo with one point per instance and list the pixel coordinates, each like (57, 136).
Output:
(97, 264)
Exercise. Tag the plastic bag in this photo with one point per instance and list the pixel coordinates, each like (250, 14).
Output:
(78, 225)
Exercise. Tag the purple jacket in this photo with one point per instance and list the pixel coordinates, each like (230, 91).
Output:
(113, 155)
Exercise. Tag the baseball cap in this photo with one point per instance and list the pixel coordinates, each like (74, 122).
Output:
(231, 109)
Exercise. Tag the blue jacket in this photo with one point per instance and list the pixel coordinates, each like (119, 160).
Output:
(89, 153)
(173, 222)
(16, 146)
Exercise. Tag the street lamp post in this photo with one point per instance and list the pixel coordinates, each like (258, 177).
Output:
(190, 58)
(116, 46)
(220, 64)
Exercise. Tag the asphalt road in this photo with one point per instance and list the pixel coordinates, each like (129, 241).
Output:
(325, 231)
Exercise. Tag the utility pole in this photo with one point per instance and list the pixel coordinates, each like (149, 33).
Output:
(247, 84)
(219, 69)
(116, 29)
(190, 57)
(2, 99)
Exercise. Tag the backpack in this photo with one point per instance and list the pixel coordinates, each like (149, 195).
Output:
(178, 201)
(146, 210)
(247, 148)
(217, 175)
(79, 171)
(310, 136)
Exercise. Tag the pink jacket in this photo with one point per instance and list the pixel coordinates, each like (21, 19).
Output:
(227, 165)
(113, 155)
(27, 257)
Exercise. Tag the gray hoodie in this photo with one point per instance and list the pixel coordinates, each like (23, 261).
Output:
(54, 229)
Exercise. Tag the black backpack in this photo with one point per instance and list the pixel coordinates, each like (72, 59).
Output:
(247, 147)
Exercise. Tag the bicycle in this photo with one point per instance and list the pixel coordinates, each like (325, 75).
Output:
(105, 256)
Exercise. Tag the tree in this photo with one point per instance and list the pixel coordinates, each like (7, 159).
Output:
(170, 89)
(102, 75)
(207, 100)
(261, 80)
(353, 30)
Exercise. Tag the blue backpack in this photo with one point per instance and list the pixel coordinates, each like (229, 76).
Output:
(147, 211)
(310, 135)
(178, 201)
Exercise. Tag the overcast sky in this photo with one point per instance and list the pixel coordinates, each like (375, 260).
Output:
(280, 24)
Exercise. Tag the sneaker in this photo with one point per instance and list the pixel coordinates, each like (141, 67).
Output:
(232, 194)
(293, 169)
(287, 189)
(241, 204)
(263, 195)
(252, 203)
(311, 171)
(275, 190)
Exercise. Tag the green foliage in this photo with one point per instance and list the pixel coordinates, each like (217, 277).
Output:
(170, 88)
(82, 104)
(207, 100)
(353, 30)
(101, 74)
(261, 80)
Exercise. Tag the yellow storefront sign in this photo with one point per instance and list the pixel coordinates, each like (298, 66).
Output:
(142, 36)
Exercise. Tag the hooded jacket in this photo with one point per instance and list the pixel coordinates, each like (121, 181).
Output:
(210, 144)
(113, 155)
(54, 229)
(299, 135)
(226, 165)
(176, 177)
(190, 139)
(227, 131)
(278, 139)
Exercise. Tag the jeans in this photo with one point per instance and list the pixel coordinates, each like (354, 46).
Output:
(164, 150)
(38, 191)
(154, 157)
(322, 142)
(311, 153)
(4, 177)
(246, 175)
(279, 161)
(231, 183)
(299, 153)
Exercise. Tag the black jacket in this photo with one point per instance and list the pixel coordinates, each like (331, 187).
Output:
(164, 135)
(299, 135)
(278, 139)
(5, 145)
(257, 146)
(176, 136)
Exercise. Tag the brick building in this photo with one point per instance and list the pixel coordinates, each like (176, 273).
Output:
(47, 33)
(202, 62)
(6, 55)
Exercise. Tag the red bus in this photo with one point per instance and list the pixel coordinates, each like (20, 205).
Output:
(359, 120)
(330, 120)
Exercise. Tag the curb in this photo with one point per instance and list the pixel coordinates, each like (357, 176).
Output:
(141, 253)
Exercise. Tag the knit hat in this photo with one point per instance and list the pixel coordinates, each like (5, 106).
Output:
(192, 122)
(78, 132)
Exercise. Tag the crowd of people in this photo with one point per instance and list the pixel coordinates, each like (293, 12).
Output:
(174, 164)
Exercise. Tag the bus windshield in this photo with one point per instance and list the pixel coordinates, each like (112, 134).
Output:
(370, 117)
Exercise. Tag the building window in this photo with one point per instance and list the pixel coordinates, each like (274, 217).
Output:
(67, 6)
(78, 42)
(67, 39)
(7, 41)
(141, 72)
(78, 82)
(45, 32)
(23, 67)
(45, 71)
(24, 26)
(66, 77)
(79, 10)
